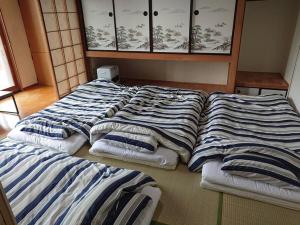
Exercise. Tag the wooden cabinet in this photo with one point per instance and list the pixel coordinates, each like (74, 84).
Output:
(259, 91)
(212, 26)
(160, 26)
(247, 91)
(99, 24)
(171, 25)
(258, 83)
(132, 25)
(273, 92)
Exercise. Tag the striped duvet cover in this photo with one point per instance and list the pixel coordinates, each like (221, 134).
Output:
(79, 111)
(169, 115)
(256, 135)
(45, 187)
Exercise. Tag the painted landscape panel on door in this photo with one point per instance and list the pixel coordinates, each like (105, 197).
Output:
(132, 22)
(212, 26)
(99, 24)
(171, 25)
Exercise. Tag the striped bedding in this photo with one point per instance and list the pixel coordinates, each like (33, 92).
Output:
(257, 137)
(45, 187)
(79, 111)
(169, 115)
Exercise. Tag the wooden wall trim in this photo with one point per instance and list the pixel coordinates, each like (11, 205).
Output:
(159, 56)
(83, 40)
(33, 22)
(238, 28)
(37, 38)
(5, 210)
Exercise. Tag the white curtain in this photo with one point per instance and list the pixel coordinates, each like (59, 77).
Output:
(6, 79)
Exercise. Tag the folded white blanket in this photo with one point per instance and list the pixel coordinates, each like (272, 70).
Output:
(162, 157)
(69, 145)
(54, 130)
(135, 142)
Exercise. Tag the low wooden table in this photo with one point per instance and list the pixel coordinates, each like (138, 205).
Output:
(8, 94)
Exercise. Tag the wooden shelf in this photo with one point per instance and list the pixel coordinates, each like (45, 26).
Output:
(159, 56)
(261, 80)
(194, 86)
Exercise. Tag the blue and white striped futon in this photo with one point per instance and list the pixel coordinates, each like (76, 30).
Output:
(256, 135)
(169, 115)
(79, 111)
(45, 187)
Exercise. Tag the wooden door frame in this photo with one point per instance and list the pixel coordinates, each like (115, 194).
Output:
(5, 209)
(236, 44)
(9, 54)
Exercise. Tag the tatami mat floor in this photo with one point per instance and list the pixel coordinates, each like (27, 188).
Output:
(243, 211)
(184, 202)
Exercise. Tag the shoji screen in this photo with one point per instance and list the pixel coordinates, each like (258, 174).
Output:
(64, 38)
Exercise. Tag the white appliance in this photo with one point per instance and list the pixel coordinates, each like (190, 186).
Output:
(108, 72)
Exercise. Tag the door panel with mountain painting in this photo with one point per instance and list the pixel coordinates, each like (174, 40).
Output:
(212, 26)
(171, 25)
(99, 23)
(132, 22)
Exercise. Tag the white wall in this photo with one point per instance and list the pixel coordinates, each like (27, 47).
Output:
(267, 35)
(292, 73)
(293, 52)
(19, 43)
(294, 92)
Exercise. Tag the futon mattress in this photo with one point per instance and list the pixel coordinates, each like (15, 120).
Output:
(169, 115)
(257, 137)
(215, 179)
(80, 110)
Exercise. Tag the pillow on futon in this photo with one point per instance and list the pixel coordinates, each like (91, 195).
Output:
(136, 142)
(48, 130)
(263, 168)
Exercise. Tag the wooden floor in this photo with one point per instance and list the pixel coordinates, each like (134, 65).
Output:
(29, 101)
